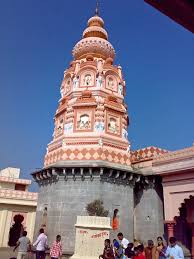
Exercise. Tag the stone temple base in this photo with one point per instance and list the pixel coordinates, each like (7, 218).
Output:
(64, 196)
(66, 191)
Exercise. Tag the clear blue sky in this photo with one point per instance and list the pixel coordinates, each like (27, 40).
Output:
(36, 39)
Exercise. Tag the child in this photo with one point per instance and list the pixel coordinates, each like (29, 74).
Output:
(56, 248)
(108, 251)
(118, 249)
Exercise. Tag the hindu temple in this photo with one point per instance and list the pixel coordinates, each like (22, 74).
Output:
(90, 157)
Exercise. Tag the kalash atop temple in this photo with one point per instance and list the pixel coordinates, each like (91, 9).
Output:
(89, 157)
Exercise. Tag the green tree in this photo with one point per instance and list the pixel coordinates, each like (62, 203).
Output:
(96, 208)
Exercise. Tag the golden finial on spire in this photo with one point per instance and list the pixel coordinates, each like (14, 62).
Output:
(97, 8)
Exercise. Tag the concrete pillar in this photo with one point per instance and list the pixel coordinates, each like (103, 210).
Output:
(30, 222)
(3, 216)
(91, 232)
(7, 227)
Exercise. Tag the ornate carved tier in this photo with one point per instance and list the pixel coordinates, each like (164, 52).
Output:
(95, 46)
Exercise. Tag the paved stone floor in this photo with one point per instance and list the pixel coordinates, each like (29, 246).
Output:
(7, 253)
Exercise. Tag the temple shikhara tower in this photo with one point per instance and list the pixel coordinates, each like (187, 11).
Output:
(89, 156)
(91, 120)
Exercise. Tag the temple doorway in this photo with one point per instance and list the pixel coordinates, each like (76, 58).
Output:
(16, 230)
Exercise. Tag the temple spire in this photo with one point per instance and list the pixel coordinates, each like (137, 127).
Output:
(97, 8)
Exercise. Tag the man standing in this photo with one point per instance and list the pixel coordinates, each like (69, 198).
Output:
(23, 245)
(41, 245)
(123, 241)
(174, 251)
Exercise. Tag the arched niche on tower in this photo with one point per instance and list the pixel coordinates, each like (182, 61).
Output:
(66, 85)
(100, 80)
(113, 123)
(87, 77)
(59, 125)
(84, 119)
(84, 109)
(111, 81)
(114, 111)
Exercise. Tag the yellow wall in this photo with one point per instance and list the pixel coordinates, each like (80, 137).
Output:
(30, 223)
(5, 225)
(3, 217)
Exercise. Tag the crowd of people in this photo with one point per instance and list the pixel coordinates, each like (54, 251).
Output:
(122, 248)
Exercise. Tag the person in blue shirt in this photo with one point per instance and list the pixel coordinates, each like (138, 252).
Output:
(118, 249)
(174, 251)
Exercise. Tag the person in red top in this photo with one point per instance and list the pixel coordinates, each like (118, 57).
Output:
(56, 248)
(139, 252)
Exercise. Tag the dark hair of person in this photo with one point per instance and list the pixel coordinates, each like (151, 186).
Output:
(130, 245)
(172, 240)
(41, 230)
(115, 213)
(24, 233)
(108, 241)
(160, 239)
(140, 248)
(120, 234)
(135, 249)
(150, 242)
(58, 236)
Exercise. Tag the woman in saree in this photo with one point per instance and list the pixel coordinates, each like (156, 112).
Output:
(160, 249)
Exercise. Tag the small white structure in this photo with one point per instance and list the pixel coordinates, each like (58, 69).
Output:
(91, 232)
(15, 201)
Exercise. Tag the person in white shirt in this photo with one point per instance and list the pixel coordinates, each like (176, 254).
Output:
(123, 241)
(174, 251)
(41, 245)
(23, 245)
